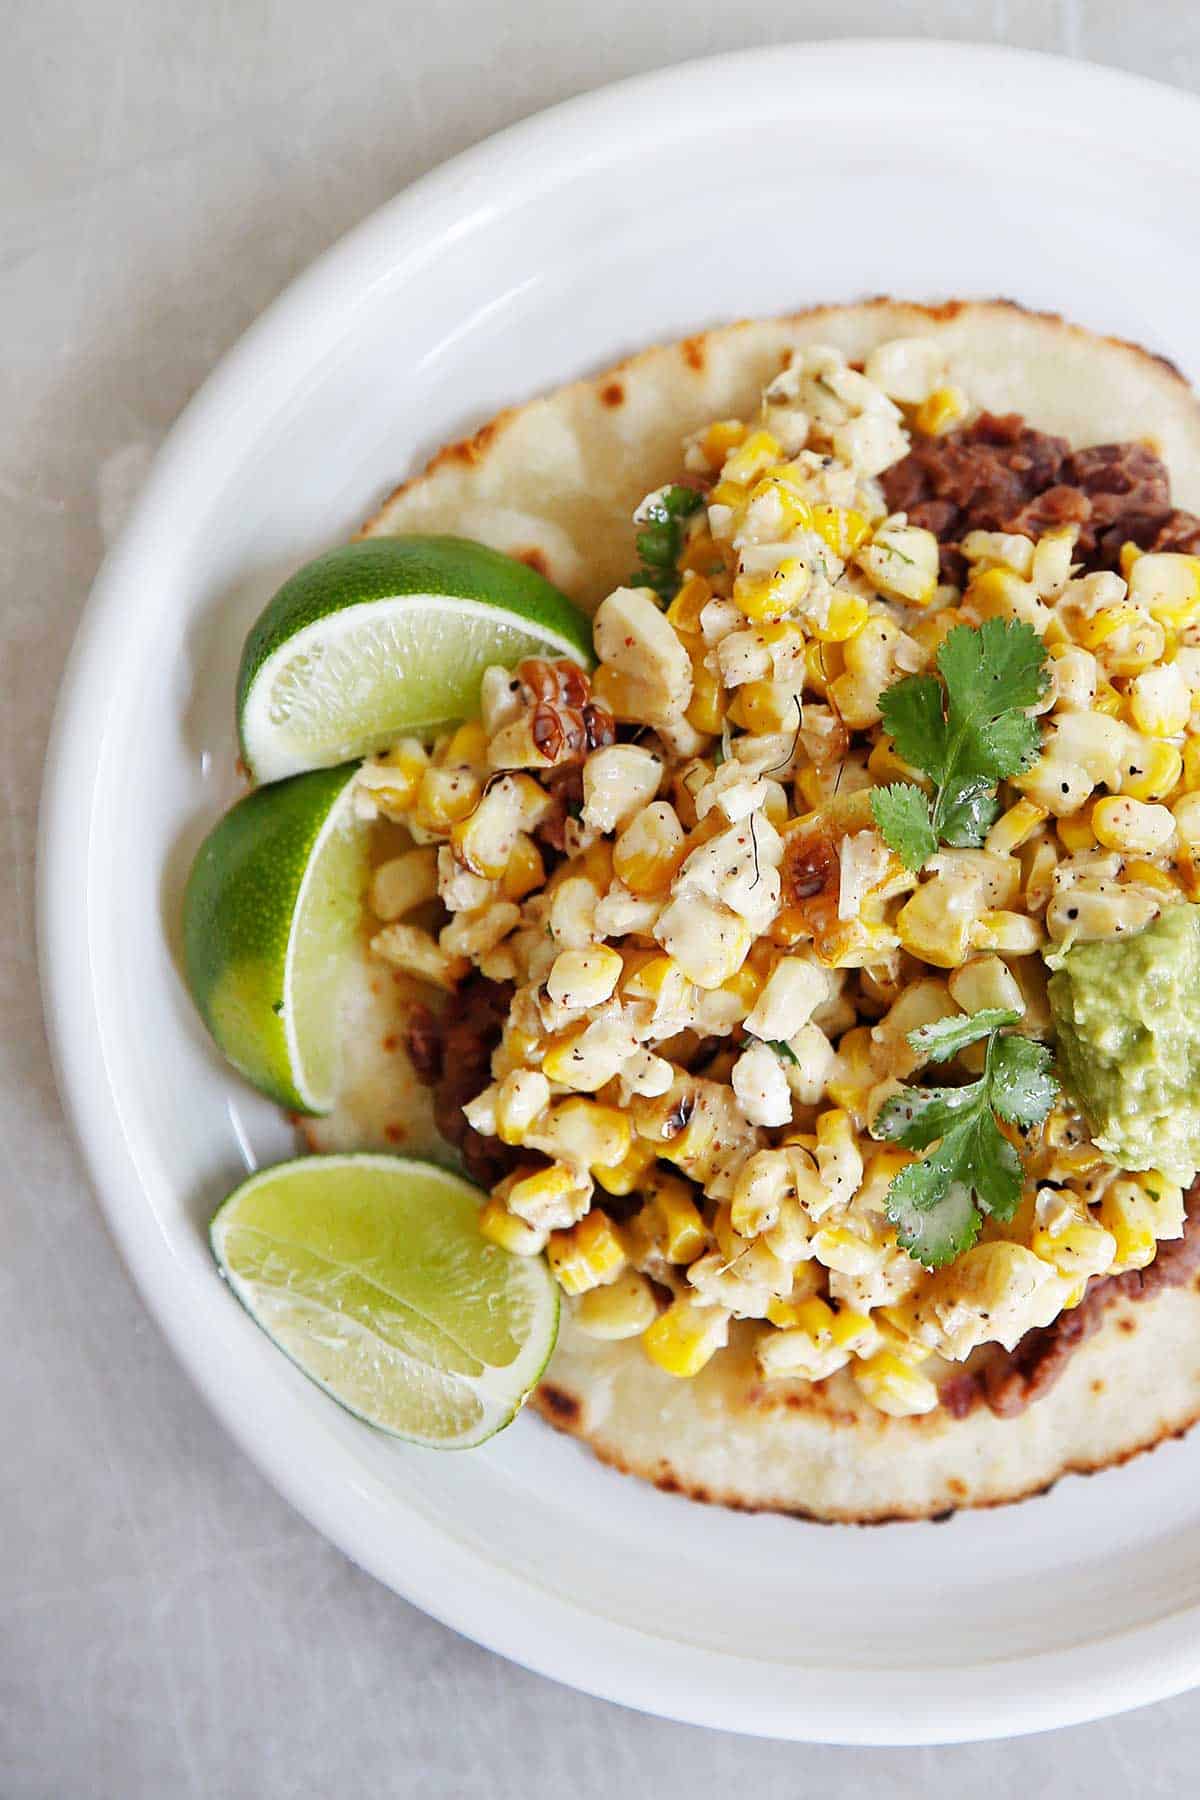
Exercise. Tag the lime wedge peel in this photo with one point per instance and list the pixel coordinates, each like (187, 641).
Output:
(385, 638)
(370, 1274)
(272, 913)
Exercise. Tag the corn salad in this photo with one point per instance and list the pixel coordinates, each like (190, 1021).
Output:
(715, 958)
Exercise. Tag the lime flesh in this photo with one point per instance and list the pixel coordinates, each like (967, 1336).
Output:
(272, 912)
(370, 1273)
(387, 638)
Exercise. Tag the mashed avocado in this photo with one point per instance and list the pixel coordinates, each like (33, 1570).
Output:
(1127, 1011)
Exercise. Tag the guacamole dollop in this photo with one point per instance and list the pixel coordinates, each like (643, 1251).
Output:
(1127, 1012)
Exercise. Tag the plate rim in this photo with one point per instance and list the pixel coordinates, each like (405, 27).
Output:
(444, 1577)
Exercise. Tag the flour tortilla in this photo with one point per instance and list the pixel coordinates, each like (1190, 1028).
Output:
(555, 482)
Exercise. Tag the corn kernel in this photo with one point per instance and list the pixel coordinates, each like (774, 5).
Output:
(445, 797)
(841, 528)
(753, 457)
(684, 1234)
(1076, 834)
(1160, 767)
(543, 1194)
(706, 709)
(468, 747)
(945, 408)
(1008, 933)
(524, 872)
(626, 1176)
(765, 599)
(685, 609)
(522, 1096)
(579, 979)
(649, 851)
(1132, 825)
(1168, 586)
(405, 763)
(587, 1255)
(847, 615)
(765, 706)
(504, 1228)
(1128, 1214)
(1160, 702)
(1013, 827)
(893, 1386)
(623, 1309)
(682, 1339)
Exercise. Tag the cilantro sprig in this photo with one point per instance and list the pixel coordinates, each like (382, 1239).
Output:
(660, 544)
(938, 1203)
(966, 732)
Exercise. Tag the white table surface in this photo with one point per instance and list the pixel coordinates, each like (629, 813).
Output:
(167, 1625)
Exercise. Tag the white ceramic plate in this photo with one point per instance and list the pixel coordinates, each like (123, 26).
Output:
(744, 185)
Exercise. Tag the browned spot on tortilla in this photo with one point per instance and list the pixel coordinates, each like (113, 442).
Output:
(612, 393)
(533, 559)
(391, 1043)
(395, 1134)
(1126, 1325)
(1097, 1385)
(694, 352)
(957, 1488)
(554, 1403)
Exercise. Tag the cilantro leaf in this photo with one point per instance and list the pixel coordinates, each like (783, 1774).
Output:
(782, 1049)
(967, 732)
(660, 543)
(1023, 1089)
(937, 1203)
(902, 815)
(944, 1038)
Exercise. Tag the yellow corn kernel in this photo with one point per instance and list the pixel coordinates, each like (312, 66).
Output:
(1076, 833)
(1013, 827)
(854, 1072)
(729, 493)
(999, 594)
(649, 851)
(1160, 767)
(580, 979)
(685, 609)
(623, 1309)
(1137, 826)
(1168, 586)
(586, 1131)
(1129, 555)
(682, 1339)
(894, 1386)
(468, 747)
(706, 709)
(746, 984)
(684, 1234)
(1107, 699)
(1100, 626)
(929, 930)
(445, 797)
(654, 978)
(722, 436)
(847, 615)
(1191, 767)
(1008, 933)
(1127, 1212)
(764, 707)
(822, 664)
(504, 1228)
(530, 1195)
(841, 528)
(1160, 702)
(845, 1251)
(557, 1058)
(626, 1176)
(522, 1095)
(765, 599)
(405, 764)
(1147, 874)
(524, 872)
(753, 457)
(586, 1255)
(945, 408)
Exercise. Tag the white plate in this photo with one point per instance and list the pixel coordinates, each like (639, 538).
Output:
(744, 185)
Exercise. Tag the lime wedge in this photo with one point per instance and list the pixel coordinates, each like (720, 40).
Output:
(272, 912)
(371, 1274)
(389, 638)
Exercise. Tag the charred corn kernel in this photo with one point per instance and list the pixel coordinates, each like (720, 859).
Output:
(524, 872)
(627, 1175)
(893, 1386)
(521, 1097)
(683, 1232)
(1129, 1214)
(685, 609)
(586, 1255)
(1013, 827)
(1134, 826)
(1153, 773)
(649, 851)
(847, 615)
(404, 882)
(579, 979)
(468, 747)
(706, 709)
(623, 1309)
(1160, 701)
(685, 1337)
(1147, 874)
(589, 1133)
(945, 408)
(755, 454)
(1008, 933)
(446, 796)
(841, 528)
(765, 706)
(1168, 586)
(765, 599)
(1076, 833)
(511, 1233)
